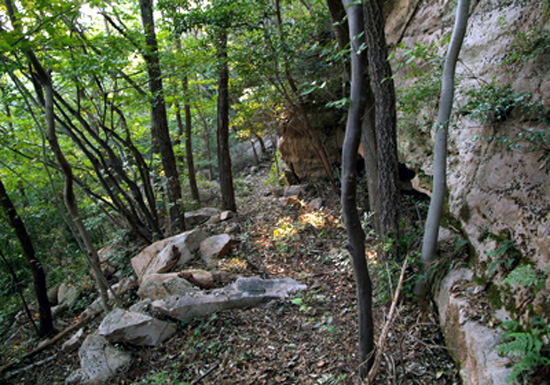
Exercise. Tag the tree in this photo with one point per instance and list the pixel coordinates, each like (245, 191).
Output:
(159, 122)
(44, 88)
(45, 327)
(356, 236)
(431, 230)
(385, 118)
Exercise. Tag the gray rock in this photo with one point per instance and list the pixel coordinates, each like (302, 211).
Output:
(215, 247)
(244, 293)
(135, 328)
(74, 342)
(197, 217)
(52, 295)
(159, 286)
(167, 254)
(99, 360)
(317, 203)
(470, 343)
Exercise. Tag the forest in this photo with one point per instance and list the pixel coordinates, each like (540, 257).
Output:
(326, 171)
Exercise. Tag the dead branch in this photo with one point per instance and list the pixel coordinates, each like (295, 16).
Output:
(382, 339)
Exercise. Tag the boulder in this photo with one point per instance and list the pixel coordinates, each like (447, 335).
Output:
(52, 295)
(167, 254)
(215, 247)
(135, 328)
(316, 204)
(197, 217)
(99, 361)
(471, 343)
(244, 293)
(159, 286)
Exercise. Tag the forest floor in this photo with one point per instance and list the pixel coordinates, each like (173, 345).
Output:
(310, 338)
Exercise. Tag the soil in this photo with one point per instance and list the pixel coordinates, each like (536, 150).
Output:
(310, 338)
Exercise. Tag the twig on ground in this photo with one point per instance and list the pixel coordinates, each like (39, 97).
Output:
(382, 339)
(209, 371)
(33, 365)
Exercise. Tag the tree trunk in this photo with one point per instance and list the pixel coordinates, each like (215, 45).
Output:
(159, 122)
(431, 230)
(45, 327)
(356, 242)
(224, 157)
(206, 138)
(385, 124)
(189, 144)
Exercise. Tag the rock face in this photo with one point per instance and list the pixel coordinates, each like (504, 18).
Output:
(470, 342)
(135, 328)
(99, 361)
(166, 255)
(244, 293)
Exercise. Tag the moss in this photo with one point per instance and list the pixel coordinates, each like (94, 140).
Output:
(495, 298)
(465, 213)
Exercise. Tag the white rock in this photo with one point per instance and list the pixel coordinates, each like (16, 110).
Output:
(159, 286)
(135, 328)
(215, 247)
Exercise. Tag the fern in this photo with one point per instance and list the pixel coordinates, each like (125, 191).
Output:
(525, 276)
(525, 347)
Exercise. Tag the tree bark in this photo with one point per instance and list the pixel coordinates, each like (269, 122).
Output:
(45, 327)
(159, 122)
(431, 230)
(189, 143)
(385, 123)
(356, 242)
(224, 157)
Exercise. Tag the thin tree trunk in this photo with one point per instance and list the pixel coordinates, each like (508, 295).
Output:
(224, 157)
(39, 277)
(431, 230)
(159, 122)
(189, 144)
(206, 138)
(385, 126)
(356, 242)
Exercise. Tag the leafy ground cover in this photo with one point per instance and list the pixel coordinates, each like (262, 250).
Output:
(308, 339)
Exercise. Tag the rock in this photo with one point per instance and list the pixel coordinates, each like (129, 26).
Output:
(215, 247)
(316, 204)
(244, 293)
(295, 191)
(124, 285)
(62, 290)
(135, 328)
(197, 217)
(470, 343)
(164, 255)
(159, 286)
(99, 361)
(214, 220)
(228, 214)
(52, 295)
(67, 297)
(73, 343)
(202, 278)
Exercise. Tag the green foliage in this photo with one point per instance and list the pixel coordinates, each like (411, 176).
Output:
(528, 45)
(495, 103)
(525, 276)
(161, 377)
(525, 346)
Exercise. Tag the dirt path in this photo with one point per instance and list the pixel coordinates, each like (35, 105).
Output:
(307, 339)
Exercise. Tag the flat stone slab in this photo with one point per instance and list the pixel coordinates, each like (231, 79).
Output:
(135, 328)
(194, 218)
(215, 247)
(244, 293)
